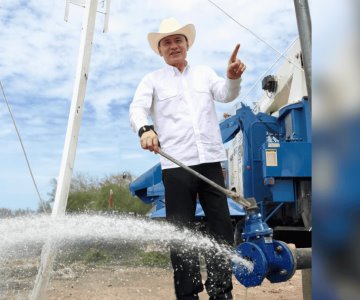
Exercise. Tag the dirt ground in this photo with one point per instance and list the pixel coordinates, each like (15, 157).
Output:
(153, 284)
(81, 281)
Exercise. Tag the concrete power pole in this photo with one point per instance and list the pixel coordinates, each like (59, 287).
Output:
(67, 163)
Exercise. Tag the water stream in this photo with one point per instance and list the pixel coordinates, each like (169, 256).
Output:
(23, 237)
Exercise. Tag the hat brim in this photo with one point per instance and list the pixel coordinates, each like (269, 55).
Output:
(155, 37)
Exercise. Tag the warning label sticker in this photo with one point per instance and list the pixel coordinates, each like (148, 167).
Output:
(271, 158)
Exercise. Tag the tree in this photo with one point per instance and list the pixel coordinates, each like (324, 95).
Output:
(5, 213)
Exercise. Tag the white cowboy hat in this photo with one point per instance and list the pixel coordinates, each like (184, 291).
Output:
(169, 27)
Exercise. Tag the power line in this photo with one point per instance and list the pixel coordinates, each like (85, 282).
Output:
(22, 146)
(253, 33)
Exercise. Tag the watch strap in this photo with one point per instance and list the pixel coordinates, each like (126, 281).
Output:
(145, 128)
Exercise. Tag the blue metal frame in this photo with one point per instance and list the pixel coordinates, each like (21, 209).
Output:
(273, 211)
(287, 138)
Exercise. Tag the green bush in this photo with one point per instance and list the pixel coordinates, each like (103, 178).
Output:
(132, 255)
(95, 256)
(154, 259)
(87, 194)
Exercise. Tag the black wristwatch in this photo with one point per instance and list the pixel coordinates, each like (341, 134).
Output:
(145, 128)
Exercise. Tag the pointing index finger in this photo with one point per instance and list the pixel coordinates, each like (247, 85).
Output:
(235, 52)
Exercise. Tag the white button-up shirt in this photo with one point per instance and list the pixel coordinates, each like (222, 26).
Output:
(182, 108)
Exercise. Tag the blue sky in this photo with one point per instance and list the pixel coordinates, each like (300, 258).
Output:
(38, 58)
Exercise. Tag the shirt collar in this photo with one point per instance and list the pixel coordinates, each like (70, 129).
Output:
(174, 71)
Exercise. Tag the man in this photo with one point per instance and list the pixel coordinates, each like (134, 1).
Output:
(180, 100)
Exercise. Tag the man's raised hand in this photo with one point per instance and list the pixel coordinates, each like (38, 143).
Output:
(235, 67)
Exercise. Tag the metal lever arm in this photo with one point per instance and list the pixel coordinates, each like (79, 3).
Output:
(247, 203)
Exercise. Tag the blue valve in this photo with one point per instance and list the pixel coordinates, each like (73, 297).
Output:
(272, 259)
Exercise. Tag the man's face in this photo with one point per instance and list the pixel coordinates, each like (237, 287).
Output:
(173, 49)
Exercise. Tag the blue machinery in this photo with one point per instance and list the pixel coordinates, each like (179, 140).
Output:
(276, 160)
(277, 173)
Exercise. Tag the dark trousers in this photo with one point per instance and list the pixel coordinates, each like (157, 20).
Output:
(181, 190)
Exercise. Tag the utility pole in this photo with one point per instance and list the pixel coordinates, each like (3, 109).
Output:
(304, 27)
(68, 158)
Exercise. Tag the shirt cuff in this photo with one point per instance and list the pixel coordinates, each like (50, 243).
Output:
(233, 83)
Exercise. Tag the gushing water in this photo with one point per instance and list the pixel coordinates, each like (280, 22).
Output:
(24, 236)
(24, 232)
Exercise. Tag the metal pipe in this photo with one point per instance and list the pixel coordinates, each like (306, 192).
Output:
(247, 203)
(304, 27)
(303, 258)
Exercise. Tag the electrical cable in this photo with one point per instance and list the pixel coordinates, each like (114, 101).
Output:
(23, 148)
(253, 33)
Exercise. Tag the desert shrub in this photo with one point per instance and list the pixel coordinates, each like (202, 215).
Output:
(154, 259)
(95, 256)
(90, 194)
